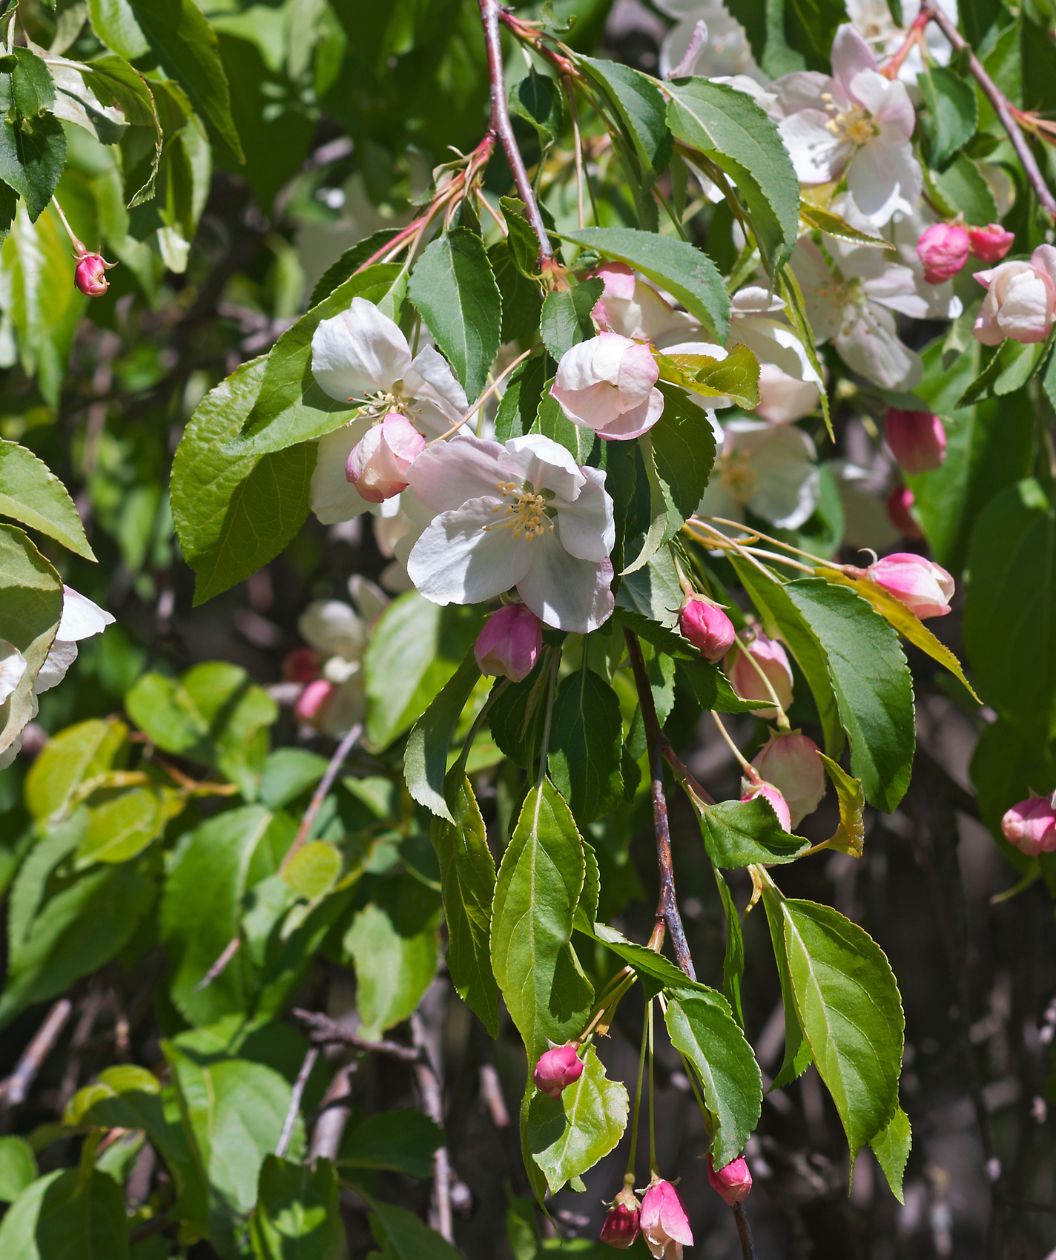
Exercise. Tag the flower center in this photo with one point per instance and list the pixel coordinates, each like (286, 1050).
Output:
(526, 513)
(738, 475)
(854, 125)
(384, 400)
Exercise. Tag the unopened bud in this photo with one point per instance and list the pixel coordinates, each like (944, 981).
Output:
(991, 243)
(899, 510)
(1031, 826)
(917, 439)
(733, 1183)
(943, 250)
(509, 644)
(774, 799)
(792, 764)
(380, 460)
(312, 700)
(90, 274)
(663, 1221)
(771, 659)
(301, 665)
(557, 1069)
(620, 1227)
(707, 627)
(922, 585)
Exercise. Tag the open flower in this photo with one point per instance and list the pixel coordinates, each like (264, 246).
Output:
(632, 307)
(608, 384)
(789, 384)
(361, 357)
(706, 40)
(663, 1221)
(768, 470)
(521, 514)
(858, 123)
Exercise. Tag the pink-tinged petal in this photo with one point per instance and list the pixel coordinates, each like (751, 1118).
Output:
(436, 399)
(985, 277)
(459, 560)
(803, 89)
(619, 281)
(447, 474)
(850, 55)
(1044, 259)
(887, 101)
(358, 352)
(637, 372)
(564, 591)
(332, 496)
(593, 407)
(586, 527)
(632, 424)
(546, 464)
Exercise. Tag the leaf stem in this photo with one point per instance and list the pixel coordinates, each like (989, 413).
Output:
(741, 759)
(653, 1170)
(632, 1157)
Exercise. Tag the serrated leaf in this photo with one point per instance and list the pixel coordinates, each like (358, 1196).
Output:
(849, 837)
(538, 888)
(891, 1146)
(850, 1012)
(952, 111)
(425, 755)
(639, 107)
(680, 268)
(833, 224)
(735, 378)
(703, 1029)
(569, 1135)
(32, 157)
(566, 316)
(32, 494)
(740, 833)
(297, 1216)
(731, 130)
(454, 289)
(797, 1055)
(733, 956)
(961, 189)
(585, 743)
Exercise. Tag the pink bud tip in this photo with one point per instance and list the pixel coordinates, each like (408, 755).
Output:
(991, 243)
(509, 644)
(707, 627)
(792, 765)
(301, 665)
(312, 700)
(380, 460)
(620, 1227)
(772, 660)
(900, 512)
(917, 439)
(774, 799)
(733, 1183)
(557, 1069)
(922, 585)
(90, 274)
(943, 250)
(1031, 826)
(663, 1221)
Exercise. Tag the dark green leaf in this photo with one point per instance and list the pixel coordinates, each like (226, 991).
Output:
(952, 113)
(392, 1141)
(566, 318)
(297, 1215)
(425, 756)
(639, 108)
(961, 189)
(739, 833)
(797, 1056)
(585, 743)
(405, 1237)
(32, 157)
(67, 1213)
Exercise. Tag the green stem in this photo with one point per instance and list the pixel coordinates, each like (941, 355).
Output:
(653, 1170)
(638, 1098)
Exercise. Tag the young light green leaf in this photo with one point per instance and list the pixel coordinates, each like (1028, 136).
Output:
(735, 377)
(739, 833)
(121, 826)
(31, 493)
(850, 1011)
(568, 1136)
(454, 289)
(539, 885)
(467, 879)
(832, 224)
(702, 1028)
(425, 755)
(70, 758)
(731, 130)
(891, 1146)
(18, 1167)
(676, 266)
(585, 743)
(849, 837)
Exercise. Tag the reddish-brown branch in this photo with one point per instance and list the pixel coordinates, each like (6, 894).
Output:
(503, 128)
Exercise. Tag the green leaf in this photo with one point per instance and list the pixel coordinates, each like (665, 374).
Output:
(797, 1056)
(121, 827)
(405, 1237)
(539, 884)
(586, 742)
(29, 616)
(425, 755)
(115, 25)
(739, 833)
(952, 114)
(537, 100)
(32, 157)
(31, 88)
(961, 189)
(18, 1167)
(566, 317)
(392, 1141)
(467, 879)
(891, 1146)
(735, 377)
(832, 224)
(520, 402)
(414, 650)
(849, 837)
(552, 422)
(733, 957)
(297, 1216)
(851, 1014)
(711, 689)
(69, 759)
(233, 509)
(680, 268)
(522, 300)
(702, 1028)
(69, 1212)
(213, 715)
(656, 971)
(185, 46)
(1010, 366)
(730, 129)
(313, 870)
(871, 682)
(569, 1135)
(639, 107)
(683, 447)
(393, 945)
(454, 289)
(1010, 608)
(31, 493)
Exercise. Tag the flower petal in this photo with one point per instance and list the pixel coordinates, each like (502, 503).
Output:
(81, 618)
(332, 496)
(547, 465)
(437, 400)
(358, 352)
(333, 628)
(448, 474)
(459, 561)
(586, 527)
(564, 591)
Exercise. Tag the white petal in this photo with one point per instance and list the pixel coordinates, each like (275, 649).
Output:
(586, 527)
(333, 628)
(566, 592)
(437, 399)
(788, 483)
(547, 465)
(850, 55)
(80, 617)
(817, 154)
(887, 101)
(458, 561)
(12, 668)
(332, 496)
(884, 179)
(448, 474)
(370, 600)
(358, 352)
(872, 348)
(57, 662)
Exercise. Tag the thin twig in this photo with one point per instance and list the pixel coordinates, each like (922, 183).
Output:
(429, 1087)
(744, 1233)
(14, 1090)
(310, 1060)
(333, 1115)
(998, 100)
(655, 742)
(323, 1031)
(503, 128)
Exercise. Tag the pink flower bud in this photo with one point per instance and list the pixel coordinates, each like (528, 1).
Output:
(1031, 826)
(620, 1227)
(770, 656)
(301, 665)
(707, 627)
(792, 764)
(733, 1183)
(90, 274)
(774, 799)
(663, 1221)
(943, 249)
(510, 642)
(379, 461)
(608, 384)
(1020, 300)
(312, 701)
(899, 510)
(991, 243)
(917, 439)
(557, 1069)
(631, 307)
(922, 585)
